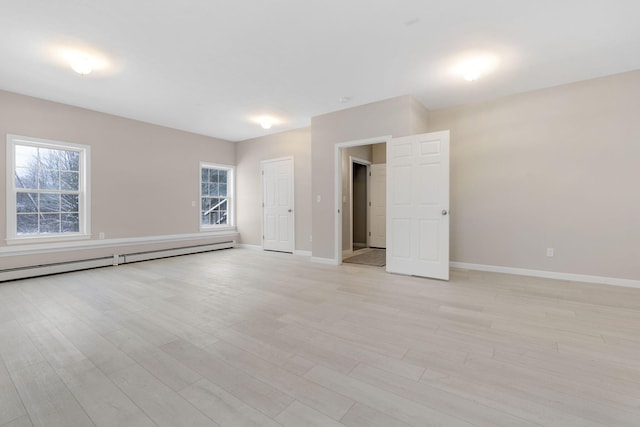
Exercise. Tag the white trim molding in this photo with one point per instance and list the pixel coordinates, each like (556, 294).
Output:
(327, 261)
(302, 253)
(250, 247)
(45, 248)
(548, 274)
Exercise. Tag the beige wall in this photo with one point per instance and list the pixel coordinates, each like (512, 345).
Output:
(143, 177)
(363, 153)
(419, 117)
(249, 153)
(556, 168)
(390, 117)
(379, 153)
(552, 168)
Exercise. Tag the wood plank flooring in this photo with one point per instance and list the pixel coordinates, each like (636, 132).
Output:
(248, 338)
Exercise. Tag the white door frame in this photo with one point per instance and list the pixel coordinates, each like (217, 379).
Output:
(337, 219)
(366, 163)
(293, 197)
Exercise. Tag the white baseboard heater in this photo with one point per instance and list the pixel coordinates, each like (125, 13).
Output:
(116, 259)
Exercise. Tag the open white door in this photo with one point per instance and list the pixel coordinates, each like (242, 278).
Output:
(277, 197)
(418, 205)
(378, 210)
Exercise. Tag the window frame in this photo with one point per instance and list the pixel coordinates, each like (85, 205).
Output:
(84, 197)
(231, 197)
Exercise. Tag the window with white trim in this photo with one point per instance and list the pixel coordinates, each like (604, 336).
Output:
(216, 196)
(47, 190)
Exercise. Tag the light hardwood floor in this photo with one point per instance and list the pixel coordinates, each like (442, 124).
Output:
(248, 338)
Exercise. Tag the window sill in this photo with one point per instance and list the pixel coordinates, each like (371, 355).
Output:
(218, 228)
(46, 239)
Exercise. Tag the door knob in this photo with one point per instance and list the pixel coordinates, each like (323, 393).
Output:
(444, 212)
(289, 210)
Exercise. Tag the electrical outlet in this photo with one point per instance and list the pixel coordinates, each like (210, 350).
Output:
(311, 238)
(193, 203)
(101, 235)
(549, 252)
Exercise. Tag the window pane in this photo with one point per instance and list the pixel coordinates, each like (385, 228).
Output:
(223, 217)
(69, 203)
(214, 193)
(26, 157)
(49, 159)
(26, 202)
(27, 223)
(69, 181)
(50, 223)
(206, 204)
(70, 223)
(50, 169)
(49, 202)
(49, 180)
(26, 178)
(69, 160)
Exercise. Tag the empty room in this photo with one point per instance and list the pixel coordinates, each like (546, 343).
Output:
(304, 213)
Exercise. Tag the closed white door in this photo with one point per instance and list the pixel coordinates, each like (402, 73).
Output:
(378, 210)
(277, 196)
(418, 205)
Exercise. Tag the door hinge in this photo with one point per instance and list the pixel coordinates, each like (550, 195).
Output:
(369, 203)
(369, 233)
(369, 173)
(263, 204)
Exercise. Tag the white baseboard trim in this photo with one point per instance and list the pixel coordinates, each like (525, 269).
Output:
(548, 274)
(302, 253)
(328, 261)
(45, 248)
(250, 247)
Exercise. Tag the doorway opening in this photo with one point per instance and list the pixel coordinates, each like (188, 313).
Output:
(356, 222)
(359, 180)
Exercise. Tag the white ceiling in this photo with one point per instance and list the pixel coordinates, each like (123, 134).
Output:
(212, 66)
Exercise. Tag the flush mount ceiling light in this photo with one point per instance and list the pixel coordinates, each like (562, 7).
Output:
(266, 124)
(82, 64)
(81, 60)
(475, 65)
(265, 121)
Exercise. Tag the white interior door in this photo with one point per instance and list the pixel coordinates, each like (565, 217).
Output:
(378, 210)
(418, 205)
(277, 197)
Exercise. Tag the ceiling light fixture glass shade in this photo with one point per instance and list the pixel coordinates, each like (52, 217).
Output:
(82, 64)
(82, 59)
(266, 125)
(474, 66)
